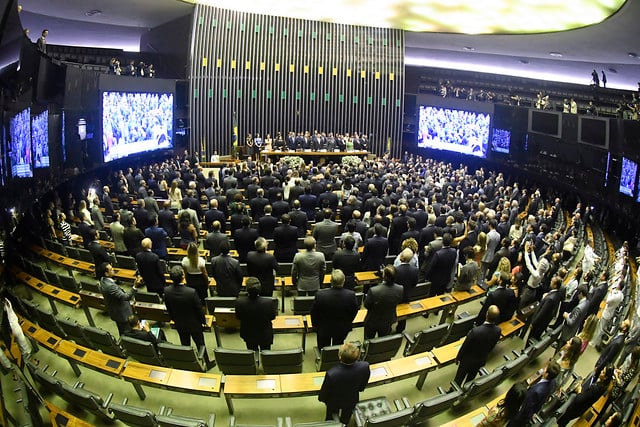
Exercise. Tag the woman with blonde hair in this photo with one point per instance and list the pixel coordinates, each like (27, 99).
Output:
(504, 266)
(588, 331)
(567, 358)
(481, 246)
(188, 231)
(175, 195)
(195, 271)
(412, 244)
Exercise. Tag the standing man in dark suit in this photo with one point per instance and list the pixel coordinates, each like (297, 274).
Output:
(157, 236)
(612, 350)
(547, 310)
(343, 383)
(347, 260)
(502, 297)
(407, 277)
(261, 264)
(227, 273)
(98, 252)
(255, 313)
(476, 347)
(333, 311)
(285, 239)
(298, 218)
(398, 227)
(151, 268)
(214, 239)
(325, 233)
(214, 214)
(441, 267)
(267, 223)
(308, 203)
(537, 395)
(244, 239)
(381, 302)
(116, 300)
(185, 309)
(375, 250)
(573, 321)
(167, 220)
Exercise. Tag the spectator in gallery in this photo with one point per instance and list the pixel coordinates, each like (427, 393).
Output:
(41, 44)
(594, 78)
(591, 109)
(604, 79)
(574, 106)
(566, 106)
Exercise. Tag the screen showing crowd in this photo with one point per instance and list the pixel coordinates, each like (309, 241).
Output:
(20, 145)
(628, 176)
(465, 132)
(136, 122)
(40, 139)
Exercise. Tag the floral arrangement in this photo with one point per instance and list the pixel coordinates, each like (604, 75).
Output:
(351, 161)
(294, 162)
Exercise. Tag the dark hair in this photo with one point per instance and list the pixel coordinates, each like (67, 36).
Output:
(176, 274)
(513, 400)
(349, 242)
(253, 287)
(389, 273)
(447, 239)
(133, 320)
(101, 269)
(224, 247)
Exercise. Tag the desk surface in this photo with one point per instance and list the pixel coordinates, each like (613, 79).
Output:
(466, 296)
(468, 420)
(447, 353)
(59, 417)
(93, 359)
(252, 385)
(412, 365)
(41, 335)
(70, 298)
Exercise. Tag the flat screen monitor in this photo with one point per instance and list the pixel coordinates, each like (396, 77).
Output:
(545, 122)
(593, 131)
(460, 131)
(20, 144)
(500, 140)
(628, 177)
(136, 122)
(40, 139)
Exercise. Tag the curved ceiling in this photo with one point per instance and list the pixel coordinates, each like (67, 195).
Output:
(596, 42)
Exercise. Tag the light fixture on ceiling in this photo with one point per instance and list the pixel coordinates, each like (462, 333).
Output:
(555, 54)
(469, 48)
(632, 55)
(612, 70)
(93, 12)
(523, 61)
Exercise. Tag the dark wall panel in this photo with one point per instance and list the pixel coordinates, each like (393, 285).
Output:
(283, 74)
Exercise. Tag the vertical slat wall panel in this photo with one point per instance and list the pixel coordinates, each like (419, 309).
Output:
(283, 74)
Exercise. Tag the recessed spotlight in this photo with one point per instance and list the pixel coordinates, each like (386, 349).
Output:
(93, 12)
(469, 48)
(632, 55)
(555, 54)
(612, 70)
(523, 61)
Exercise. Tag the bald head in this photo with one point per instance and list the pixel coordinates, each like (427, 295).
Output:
(493, 314)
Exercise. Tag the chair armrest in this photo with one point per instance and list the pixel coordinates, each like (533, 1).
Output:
(409, 338)
(232, 421)
(316, 352)
(279, 422)
(107, 400)
(407, 403)
(287, 422)
(483, 371)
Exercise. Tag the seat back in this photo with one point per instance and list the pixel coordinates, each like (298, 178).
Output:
(483, 384)
(302, 305)
(90, 285)
(426, 339)
(48, 321)
(514, 366)
(382, 349)
(103, 341)
(236, 362)
(421, 291)
(284, 269)
(49, 382)
(152, 297)
(133, 416)
(56, 247)
(460, 328)
(394, 419)
(69, 283)
(538, 348)
(142, 351)
(125, 261)
(326, 357)
(51, 277)
(87, 400)
(430, 407)
(181, 357)
(85, 255)
(74, 331)
(282, 361)
(214, 302)
(180, 421)
(72, 252)
(38, 271)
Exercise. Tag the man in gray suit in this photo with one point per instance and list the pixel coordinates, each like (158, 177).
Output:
(381, 302)
(307, 270)
(493, 241)
(573, 321)
(116, 300)
(151, 204)
(325, 233)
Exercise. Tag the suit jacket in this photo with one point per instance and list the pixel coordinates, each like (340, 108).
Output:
(262, 265)
(440, 268)
(158, 243)
(546, 312)
(595, 297)
(575, 320)
(493, 241)
(285, 239)
(407, 277)
(133, 240)
(98, 253)
(611, 351)
(151, 270)
(227, 274)
(213, 242)
(116, 300)
(244, 241)
(215, 215)
(349, 262)
(343, 383)
(374, 253)
(87, 232)
(334, 310)
(478, 344)
(307, 270)
(266, 225)
(308, 204)
(502, 297)
(184, 307)
(255, 315)
(168, 222)
(325, 233)
(299, 219)
(257, 207)
(381, 302)
(533, 401)
(280, 208)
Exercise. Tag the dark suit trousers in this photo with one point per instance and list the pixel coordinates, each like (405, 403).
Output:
(327, 338)
(466, 372)
(123, 327)
(343, 413)
(381, 330)
(186, 335)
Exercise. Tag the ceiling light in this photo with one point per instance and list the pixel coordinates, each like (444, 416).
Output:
(93, 12)
(555, 54)
(632, 55)
(469, 48)
(523, 61)
(612, 70)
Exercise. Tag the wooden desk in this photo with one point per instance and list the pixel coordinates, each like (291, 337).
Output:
(417, 364)
(60, 418)
(381, 373)
(91, 300)
(79, 241)
(42, 336)
(250, 386)
(93, 359)
(53, 293)
(511, 327)
(139, 373)
(447, 354)
(469, 420)
(306, 384)
(366, 278)
(426, 305)
(181, 253)
(151, 311)
(195, 382)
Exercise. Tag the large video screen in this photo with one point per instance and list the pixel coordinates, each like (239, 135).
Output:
(40, 139)
(135, 122)
(628, 177)
(460, 131)
(544, 122)
(20, 144)
(593, 131)
(500, 140)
